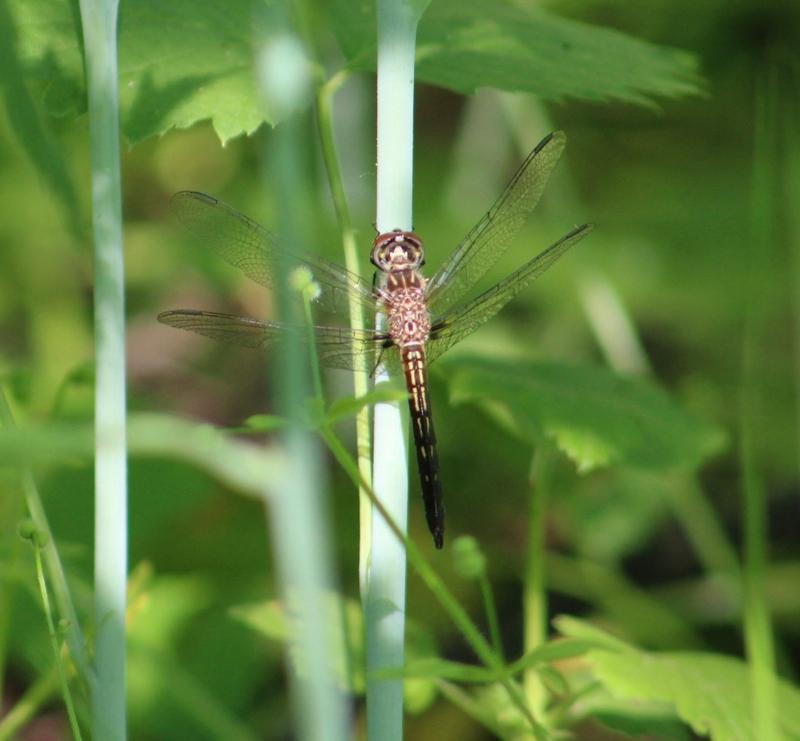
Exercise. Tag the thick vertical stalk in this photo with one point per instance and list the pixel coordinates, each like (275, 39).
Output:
(299, 518)
(535, 589)
(386, 580)
(99, 22)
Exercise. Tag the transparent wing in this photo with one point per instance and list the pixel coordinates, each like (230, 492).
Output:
(337, 347)
(246, 245)
(491, 236)
(464, 320)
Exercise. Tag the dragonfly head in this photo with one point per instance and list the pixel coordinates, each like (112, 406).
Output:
(397, 250)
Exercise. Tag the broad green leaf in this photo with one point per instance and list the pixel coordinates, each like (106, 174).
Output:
(179, 63)
(184, 62)
(555, 650)
(31, 131)
(464, 45)
(580, 629)
(710, 692)
(594, 416)
(637, 720)
(349, 406)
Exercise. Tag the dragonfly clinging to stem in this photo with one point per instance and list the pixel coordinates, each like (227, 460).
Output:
(425, 316)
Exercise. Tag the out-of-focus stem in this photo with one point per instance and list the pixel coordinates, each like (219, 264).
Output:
(360, 381)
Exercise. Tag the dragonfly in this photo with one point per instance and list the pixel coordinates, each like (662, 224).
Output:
(423, 317)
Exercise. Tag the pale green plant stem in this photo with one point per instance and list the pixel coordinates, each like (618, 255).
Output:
(385, 599)
(482, 648)
(51, 629)
(535, 588)
(470, 707)
(99, 21)
(325, 122)
(759, 639)
(297, 501)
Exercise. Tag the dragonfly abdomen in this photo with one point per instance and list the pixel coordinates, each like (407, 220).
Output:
(416, 373)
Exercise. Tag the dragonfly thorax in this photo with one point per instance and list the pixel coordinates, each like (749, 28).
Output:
(397, 250)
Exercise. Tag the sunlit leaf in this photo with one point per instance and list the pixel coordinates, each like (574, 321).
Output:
(179, 62)
(465, 45)
(594, 416)
(184, 62)
(710, 692)
(27, 124)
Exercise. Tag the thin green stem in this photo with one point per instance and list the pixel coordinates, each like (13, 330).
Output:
(759, 640)
(436, 585)
(703, 528)
(325, 123)
(491, 615)
(470, 707)
(99, 22)
(52, 561)
(534, 599)
(51, 629)
(316, 377)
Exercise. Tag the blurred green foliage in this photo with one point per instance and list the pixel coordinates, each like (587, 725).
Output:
(672, 194)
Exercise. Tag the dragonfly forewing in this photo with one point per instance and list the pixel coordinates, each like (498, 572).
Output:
(246, 245)
(492, 235)
(464, 320)
(337, 347)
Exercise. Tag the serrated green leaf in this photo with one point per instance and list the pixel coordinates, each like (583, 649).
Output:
(582, 630)
(31, 131)
(710, 692)
(349, 406)
(594, 416)
(179, 63)
(463, 45)
(637, 720)
(556, 650)
(184, 62)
